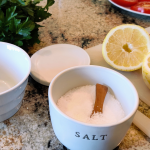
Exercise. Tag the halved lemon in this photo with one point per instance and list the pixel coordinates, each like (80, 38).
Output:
(146, 70)
(125, 47)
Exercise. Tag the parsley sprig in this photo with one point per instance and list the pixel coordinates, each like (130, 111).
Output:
(19, 21)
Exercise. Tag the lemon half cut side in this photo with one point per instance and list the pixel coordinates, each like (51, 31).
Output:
(146, 70)
(125, 47)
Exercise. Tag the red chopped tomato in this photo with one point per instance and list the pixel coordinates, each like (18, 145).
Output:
(143, 0)
(125, 3)
(143, 7)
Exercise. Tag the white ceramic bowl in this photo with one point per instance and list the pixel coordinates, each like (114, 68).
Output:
(15, 66)
(76, 135)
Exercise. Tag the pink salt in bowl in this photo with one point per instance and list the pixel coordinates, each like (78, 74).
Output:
(77, 135)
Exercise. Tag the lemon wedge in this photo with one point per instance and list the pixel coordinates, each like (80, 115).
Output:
(146, 70)
(125, 47)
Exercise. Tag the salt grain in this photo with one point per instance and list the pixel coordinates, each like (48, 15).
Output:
(78, 104)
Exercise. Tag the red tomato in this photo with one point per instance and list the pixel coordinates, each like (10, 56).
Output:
(143, 0)
(143, 7)
(126, 3)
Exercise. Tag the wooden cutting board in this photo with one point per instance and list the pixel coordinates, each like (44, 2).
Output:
(135, 77)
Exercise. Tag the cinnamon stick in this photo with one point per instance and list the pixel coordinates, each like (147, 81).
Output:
(101, 91)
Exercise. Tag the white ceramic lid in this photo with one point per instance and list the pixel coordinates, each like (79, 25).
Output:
(51, 60)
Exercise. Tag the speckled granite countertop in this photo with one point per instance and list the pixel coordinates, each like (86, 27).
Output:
(84, 23)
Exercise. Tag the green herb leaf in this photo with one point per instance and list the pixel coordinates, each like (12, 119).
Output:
(41, 15)
(28, 37)
(27, 24)
(49, 3)
(24, 32)
(1, 15)
(19, 43)
(1, 24)
(18, 21)
(14, 24)
(2, 2)
(27, 2)
(3, 34)
(29, 10)
(36, 1)
(10, 13)
(19, 2)
(25, 28)
(34, 34)
(21, 16)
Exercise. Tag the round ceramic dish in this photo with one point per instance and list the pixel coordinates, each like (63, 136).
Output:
(15, 68)
(51, 60)
(76, 135)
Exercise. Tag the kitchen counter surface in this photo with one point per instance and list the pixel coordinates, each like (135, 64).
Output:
(84, 23)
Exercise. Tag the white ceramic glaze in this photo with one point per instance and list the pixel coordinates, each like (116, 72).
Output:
(15, 66)
(76, 135)
(51, 60)
(10, 113)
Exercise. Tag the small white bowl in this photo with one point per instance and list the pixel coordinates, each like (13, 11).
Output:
(76, 135)
(15, 66)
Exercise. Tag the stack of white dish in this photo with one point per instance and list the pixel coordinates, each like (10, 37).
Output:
(15, 68)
